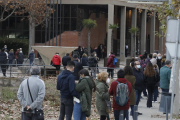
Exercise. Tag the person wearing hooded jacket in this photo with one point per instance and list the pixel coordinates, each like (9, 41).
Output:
(20, 58)
(82, 107)
(110, 65)
(57, 62)
(3, 60)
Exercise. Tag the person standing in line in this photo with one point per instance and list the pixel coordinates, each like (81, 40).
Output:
(151, 78)
(3, 60)
(139, 84)
(165, 75)
(7, 66)
(11, 56)
(131, 78)
(110, 65)
(163, 60)
(31, 57)
(66, 59)
(123, 110)
(36, 87)
(66, 85)
(148, 59)
(159, 58)
(56, 60)
(78, 67)
(84, 60)
(102, 94)
(20, 58)
(84, 87)
(156, 86)
(92, 61)
(16, 56)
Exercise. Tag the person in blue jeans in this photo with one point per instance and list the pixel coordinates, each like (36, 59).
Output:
(66, 85)
(140, 83)
(84, 87)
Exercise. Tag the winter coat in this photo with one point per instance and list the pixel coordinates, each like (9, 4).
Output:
(31, 56)
(132, 80)
(110, 61)
(159, 63)
(20, 57)
(92, 61)
(140, 83)
(56, 60)
(84, 87)
(84, 61)
(65, 59)
(16, 55)
(148, 60)
(165, 75)
(66, 85)
(152, 81)
(101, 95)
(112, 91)
(3, 58)
(11, 56)
(77, 68)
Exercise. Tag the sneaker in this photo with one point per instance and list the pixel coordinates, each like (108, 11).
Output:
(139, 113)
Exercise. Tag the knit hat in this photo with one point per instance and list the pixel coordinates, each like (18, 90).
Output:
(153, 61)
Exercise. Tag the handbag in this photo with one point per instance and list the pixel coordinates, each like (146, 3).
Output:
(38, 113)
(108, 106)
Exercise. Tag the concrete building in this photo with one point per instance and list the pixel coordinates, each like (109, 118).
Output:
(105, 12)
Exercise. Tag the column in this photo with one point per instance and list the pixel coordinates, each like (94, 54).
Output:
(152, 34)
(143, 31)
(122, 33)
(133, 37)
(160, 41)
(110, 21)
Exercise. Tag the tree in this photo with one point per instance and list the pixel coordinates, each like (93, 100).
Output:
(133, 32)
(89, 24)
(113, 27)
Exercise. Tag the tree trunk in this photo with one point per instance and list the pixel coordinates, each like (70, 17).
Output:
(133, 46)
(89, 42)
(112, 36)
(31, 35)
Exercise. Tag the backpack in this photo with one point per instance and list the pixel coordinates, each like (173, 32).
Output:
(114, 61)
(122, 94)
(76, 53)
(92, 62)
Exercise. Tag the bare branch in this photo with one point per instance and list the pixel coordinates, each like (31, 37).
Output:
(1, 20)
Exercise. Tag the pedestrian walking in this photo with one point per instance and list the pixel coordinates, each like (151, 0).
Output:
(31, 57)
(66, 85)
(110, 65)
(102, 95)
(56, 60)
(31, 95)
(20, 58)
(128, 71)
(84, 87)
(165, 75)
(120, 112)
(78, 67)
(66, 59)
(3, 61)
(151, 78)
(92, 61)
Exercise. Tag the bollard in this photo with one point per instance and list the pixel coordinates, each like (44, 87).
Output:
(121, 115)
(135, 112)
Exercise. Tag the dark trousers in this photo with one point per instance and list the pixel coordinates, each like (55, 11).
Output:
(138, 96)
(120, 114)
(155, 93)
(165, 90)
(150, 93)
(3, 68)
(66, 108)
(144, 91)
(103, 117)
(132, 110)
(25, 117)
(111, 73)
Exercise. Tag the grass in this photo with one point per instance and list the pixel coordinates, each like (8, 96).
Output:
(9, 93)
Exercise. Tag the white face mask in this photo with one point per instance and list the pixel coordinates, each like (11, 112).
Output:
(138, 66)
(109, 54)
(95, 55)
(108, 81)
(159, 57)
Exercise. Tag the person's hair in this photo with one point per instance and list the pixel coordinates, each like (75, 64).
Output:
(150, 55)
(120, 74)
(67, 54)
(70, 64)
(2, 50)
(86, 73)
(92, 54)
(141, 57)
(57, 53)
(128, 70)
(11, 50)
(35, 70)
(17, 49)
(149, 70)
(132, 64)
(154, 55)
(84, 55)
(167, 62)
(164, 56)
(132, 59)
(111, 52)
(102, 76)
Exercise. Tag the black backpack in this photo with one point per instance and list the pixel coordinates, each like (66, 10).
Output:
(92, 62)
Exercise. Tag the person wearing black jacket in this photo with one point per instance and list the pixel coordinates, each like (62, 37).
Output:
(66, 85)
(78, 67)
(159, 58)
(151, 78)
(3, 60)
(66, 59)
(139, 85)
(84, 60)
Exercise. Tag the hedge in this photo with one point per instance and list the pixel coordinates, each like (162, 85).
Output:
(13, 43)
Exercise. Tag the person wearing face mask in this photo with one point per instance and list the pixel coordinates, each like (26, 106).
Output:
(139, 84)
(102, 94)
(159, 61)
(131, 78)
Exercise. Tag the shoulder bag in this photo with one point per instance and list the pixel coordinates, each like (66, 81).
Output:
(38, 113)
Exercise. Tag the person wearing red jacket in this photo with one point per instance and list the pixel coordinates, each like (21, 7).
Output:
(110, 65)
(56, 60)
(112, 91)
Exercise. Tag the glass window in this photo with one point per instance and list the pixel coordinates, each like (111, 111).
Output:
(12, 21)
(19, 23)
(5, 25)
(73, 10)
(66, 10)
(38, 37)
(66, 24)
(19, 34)
(73, 24)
